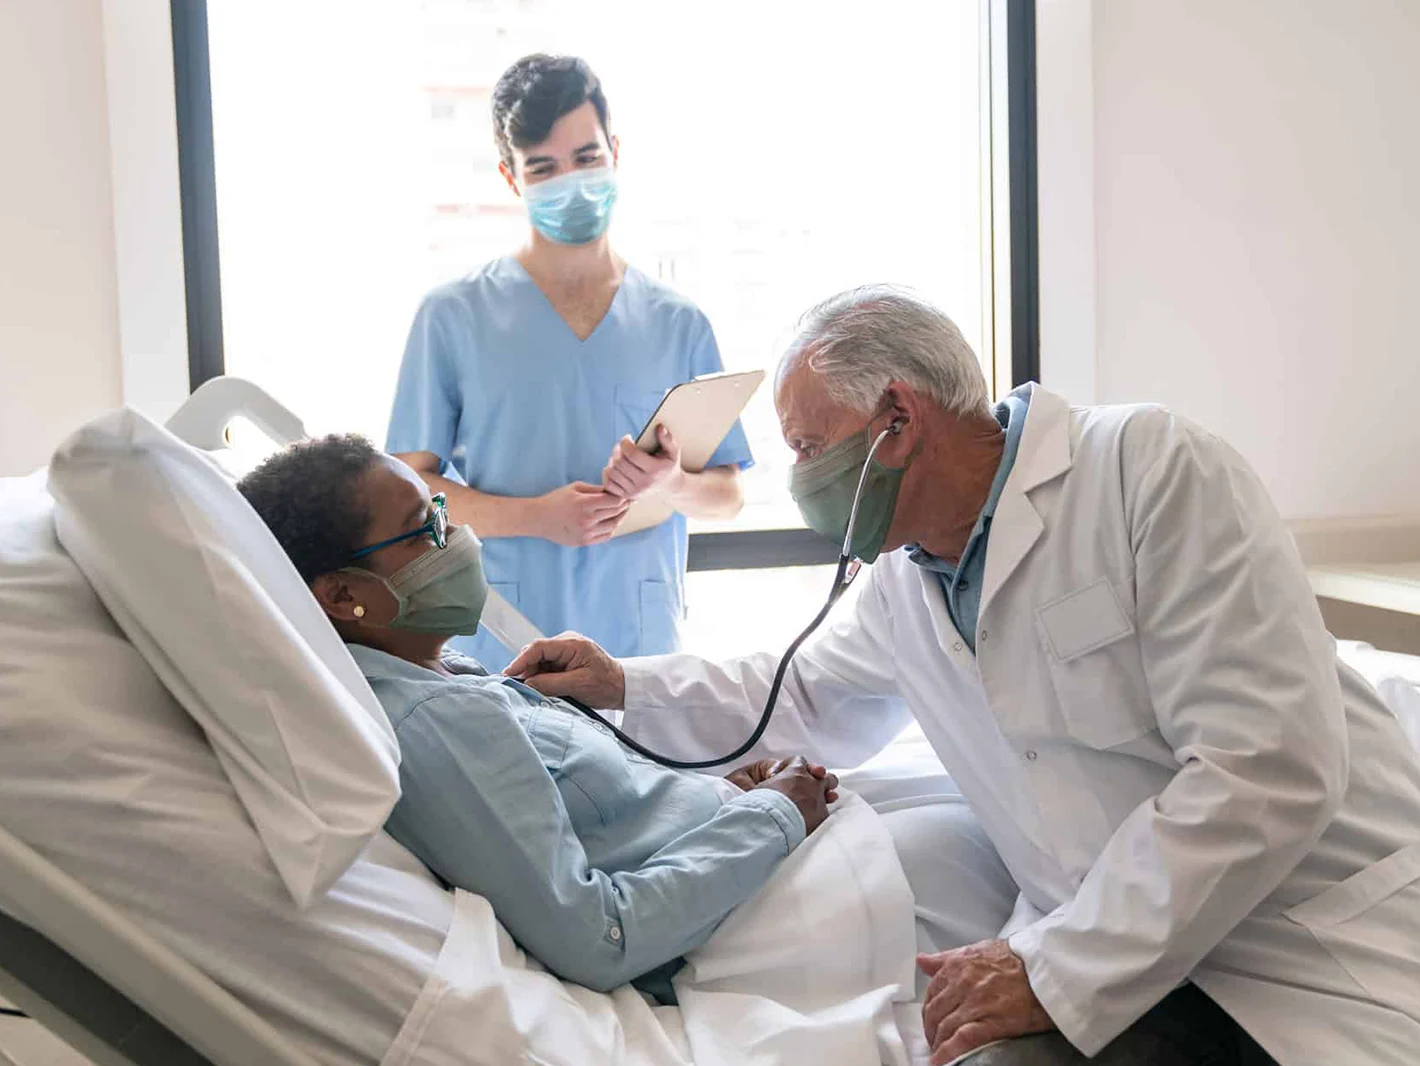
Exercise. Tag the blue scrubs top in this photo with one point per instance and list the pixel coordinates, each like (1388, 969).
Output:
(497, 385)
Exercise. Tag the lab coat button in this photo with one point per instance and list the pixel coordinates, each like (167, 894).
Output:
(983, 636)
(614, 932)
(1030, 756)
(956, 646)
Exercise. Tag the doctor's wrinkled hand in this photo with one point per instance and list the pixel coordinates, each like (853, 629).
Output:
(978, 994)
(630, 473)
(571, 665)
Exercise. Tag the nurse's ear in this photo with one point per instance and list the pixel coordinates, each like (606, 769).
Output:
(615, 152)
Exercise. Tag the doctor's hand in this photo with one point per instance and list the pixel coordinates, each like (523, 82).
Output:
(578, 514)
(571, 665)
(630, 473)
(808, 786)
(978, 994)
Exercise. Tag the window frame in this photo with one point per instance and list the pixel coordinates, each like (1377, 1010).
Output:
(1009, 220)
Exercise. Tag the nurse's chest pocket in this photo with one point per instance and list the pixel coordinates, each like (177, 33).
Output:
(1095, 667)
(634, 407)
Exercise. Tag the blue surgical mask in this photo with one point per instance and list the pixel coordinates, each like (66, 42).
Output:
(573, 208)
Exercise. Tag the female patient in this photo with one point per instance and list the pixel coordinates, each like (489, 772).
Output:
(604, 866)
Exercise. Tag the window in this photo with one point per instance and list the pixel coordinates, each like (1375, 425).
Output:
(772, 154)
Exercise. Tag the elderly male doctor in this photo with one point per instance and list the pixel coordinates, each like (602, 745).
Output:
(1104, 629)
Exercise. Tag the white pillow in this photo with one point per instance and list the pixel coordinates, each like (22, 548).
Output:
(1395, 676)
(105, 775)
(203, 590)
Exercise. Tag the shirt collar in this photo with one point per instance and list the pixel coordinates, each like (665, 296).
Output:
(381, 665)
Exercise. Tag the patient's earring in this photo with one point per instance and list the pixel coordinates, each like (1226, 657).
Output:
(359, 610)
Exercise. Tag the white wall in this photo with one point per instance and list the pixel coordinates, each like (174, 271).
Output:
(59, 344)
(1255, 253)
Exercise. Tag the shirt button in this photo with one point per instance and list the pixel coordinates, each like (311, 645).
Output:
(614, 932)
(1030, 756)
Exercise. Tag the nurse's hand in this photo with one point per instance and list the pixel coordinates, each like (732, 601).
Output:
(571, 665)
(630, 473)
(978, 994)
(579, 514)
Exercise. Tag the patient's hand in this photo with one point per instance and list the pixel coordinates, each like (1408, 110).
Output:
(571, 665)
(746, 777)
(756, 773)
(808, 786)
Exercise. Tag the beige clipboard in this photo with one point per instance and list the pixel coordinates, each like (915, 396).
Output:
(700, 413)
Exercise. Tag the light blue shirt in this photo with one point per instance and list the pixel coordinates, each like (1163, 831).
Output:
(601, 864)
(961, 583)
(497, 385)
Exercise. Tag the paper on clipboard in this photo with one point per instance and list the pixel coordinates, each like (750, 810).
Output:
(509, 626)
(700, 413)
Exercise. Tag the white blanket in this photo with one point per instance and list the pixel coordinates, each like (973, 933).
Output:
(809, 971)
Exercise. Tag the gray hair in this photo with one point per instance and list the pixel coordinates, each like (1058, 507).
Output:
(864, 339)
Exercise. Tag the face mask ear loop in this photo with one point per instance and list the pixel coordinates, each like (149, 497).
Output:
(891, 431)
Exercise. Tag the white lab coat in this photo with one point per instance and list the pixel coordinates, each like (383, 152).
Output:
(1155, 733)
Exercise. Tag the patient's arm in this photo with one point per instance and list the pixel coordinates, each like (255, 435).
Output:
(480, 810)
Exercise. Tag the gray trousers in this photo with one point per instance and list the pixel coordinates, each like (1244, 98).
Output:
(1186, 1029)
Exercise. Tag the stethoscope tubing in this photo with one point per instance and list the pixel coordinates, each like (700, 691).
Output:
(843, 577)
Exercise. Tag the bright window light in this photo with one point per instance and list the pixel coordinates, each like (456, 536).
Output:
(771, 155)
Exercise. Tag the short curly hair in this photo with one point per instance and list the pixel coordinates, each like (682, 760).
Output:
(535, 92)
(309, 497)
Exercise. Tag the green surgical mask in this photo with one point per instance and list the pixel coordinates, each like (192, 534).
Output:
(444, 590)
(824, 487)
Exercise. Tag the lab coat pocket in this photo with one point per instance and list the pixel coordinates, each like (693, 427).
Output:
(1097, 675)
(1370, 924)
(634, 408)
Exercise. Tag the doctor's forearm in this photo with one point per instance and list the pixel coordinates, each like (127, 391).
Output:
(713, 493)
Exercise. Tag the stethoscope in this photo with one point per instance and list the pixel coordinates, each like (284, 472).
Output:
(848, 568)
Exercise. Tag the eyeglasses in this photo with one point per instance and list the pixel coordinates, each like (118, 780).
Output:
(436, 529)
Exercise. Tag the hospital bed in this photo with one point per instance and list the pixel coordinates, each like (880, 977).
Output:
(71, 961)
(120, 997)
(77, 964)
